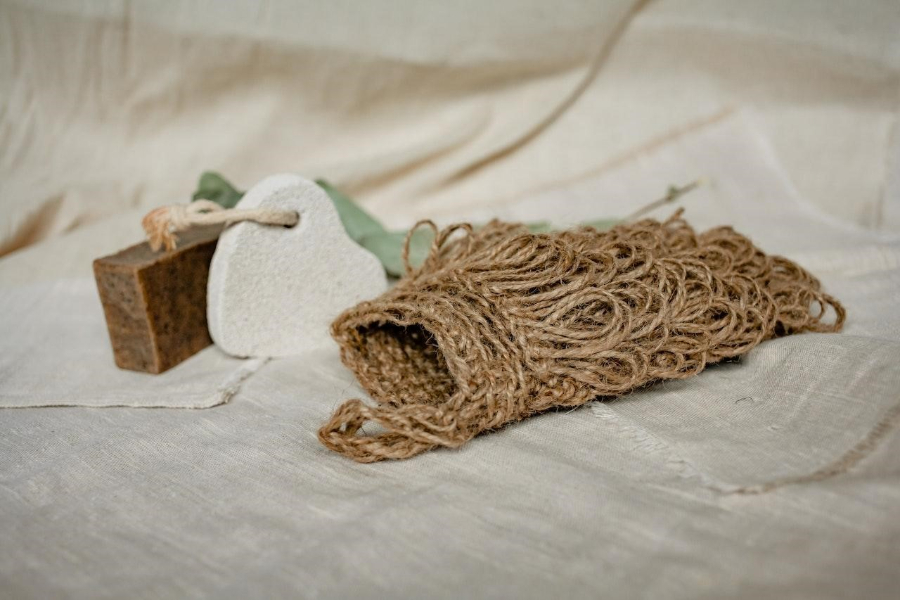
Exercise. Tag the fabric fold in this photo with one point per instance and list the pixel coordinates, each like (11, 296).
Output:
(55, 351)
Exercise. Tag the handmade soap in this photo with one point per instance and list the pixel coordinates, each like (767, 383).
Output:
(155, 301)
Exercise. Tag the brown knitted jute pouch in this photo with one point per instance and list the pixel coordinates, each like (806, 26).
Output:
(500, 324)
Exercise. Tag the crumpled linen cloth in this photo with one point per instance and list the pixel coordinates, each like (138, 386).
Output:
(55, 351)
(650, 496)
(426, 108)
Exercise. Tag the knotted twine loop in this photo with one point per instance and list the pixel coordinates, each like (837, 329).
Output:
(161, 224)
(503, 324)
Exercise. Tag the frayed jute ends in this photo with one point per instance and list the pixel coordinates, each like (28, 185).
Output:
(499, 324)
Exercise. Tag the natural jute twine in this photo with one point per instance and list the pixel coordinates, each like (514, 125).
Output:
(161, 224)
(500, 324)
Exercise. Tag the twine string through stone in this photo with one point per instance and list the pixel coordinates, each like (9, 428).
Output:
(161, 224)
(502, 323)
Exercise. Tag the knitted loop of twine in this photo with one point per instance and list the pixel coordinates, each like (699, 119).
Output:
(161, 224)
(440, 238)
(502, 324)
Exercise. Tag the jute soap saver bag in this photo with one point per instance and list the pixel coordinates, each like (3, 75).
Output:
(500, 323)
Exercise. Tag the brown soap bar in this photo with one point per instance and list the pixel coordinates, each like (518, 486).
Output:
(155, 302)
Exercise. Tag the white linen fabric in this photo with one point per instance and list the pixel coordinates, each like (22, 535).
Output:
(741, 184)
(419, 108)
(55, 351)
(655, 495)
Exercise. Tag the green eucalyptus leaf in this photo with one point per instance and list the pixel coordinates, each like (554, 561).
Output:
(599, 225)
(388, 247)
(213, 186)
(602, 224)
(357, 222)
(540, 227)
(369, 233)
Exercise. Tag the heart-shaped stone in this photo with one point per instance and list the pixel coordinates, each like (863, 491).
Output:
(274, 291)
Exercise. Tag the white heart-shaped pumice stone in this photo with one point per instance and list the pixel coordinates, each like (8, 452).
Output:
(274, 291)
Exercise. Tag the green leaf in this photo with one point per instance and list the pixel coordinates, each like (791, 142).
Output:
(357, 222)
(599, 225)
(388, 247)
(369, 233)
(602, 224)
(213, 186)
(540, 227)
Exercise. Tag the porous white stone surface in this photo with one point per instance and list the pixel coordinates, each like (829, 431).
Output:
(274, 291)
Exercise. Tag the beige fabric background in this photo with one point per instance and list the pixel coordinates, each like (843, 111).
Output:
(648, 496)
(521, 109)
(421, 108)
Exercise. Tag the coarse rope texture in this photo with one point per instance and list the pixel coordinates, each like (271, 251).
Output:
(162, 224)
(500, 324)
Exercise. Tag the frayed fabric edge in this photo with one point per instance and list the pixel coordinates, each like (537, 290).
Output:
(223, 394)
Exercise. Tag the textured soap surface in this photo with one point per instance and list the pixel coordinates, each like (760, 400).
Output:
(155, 301)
